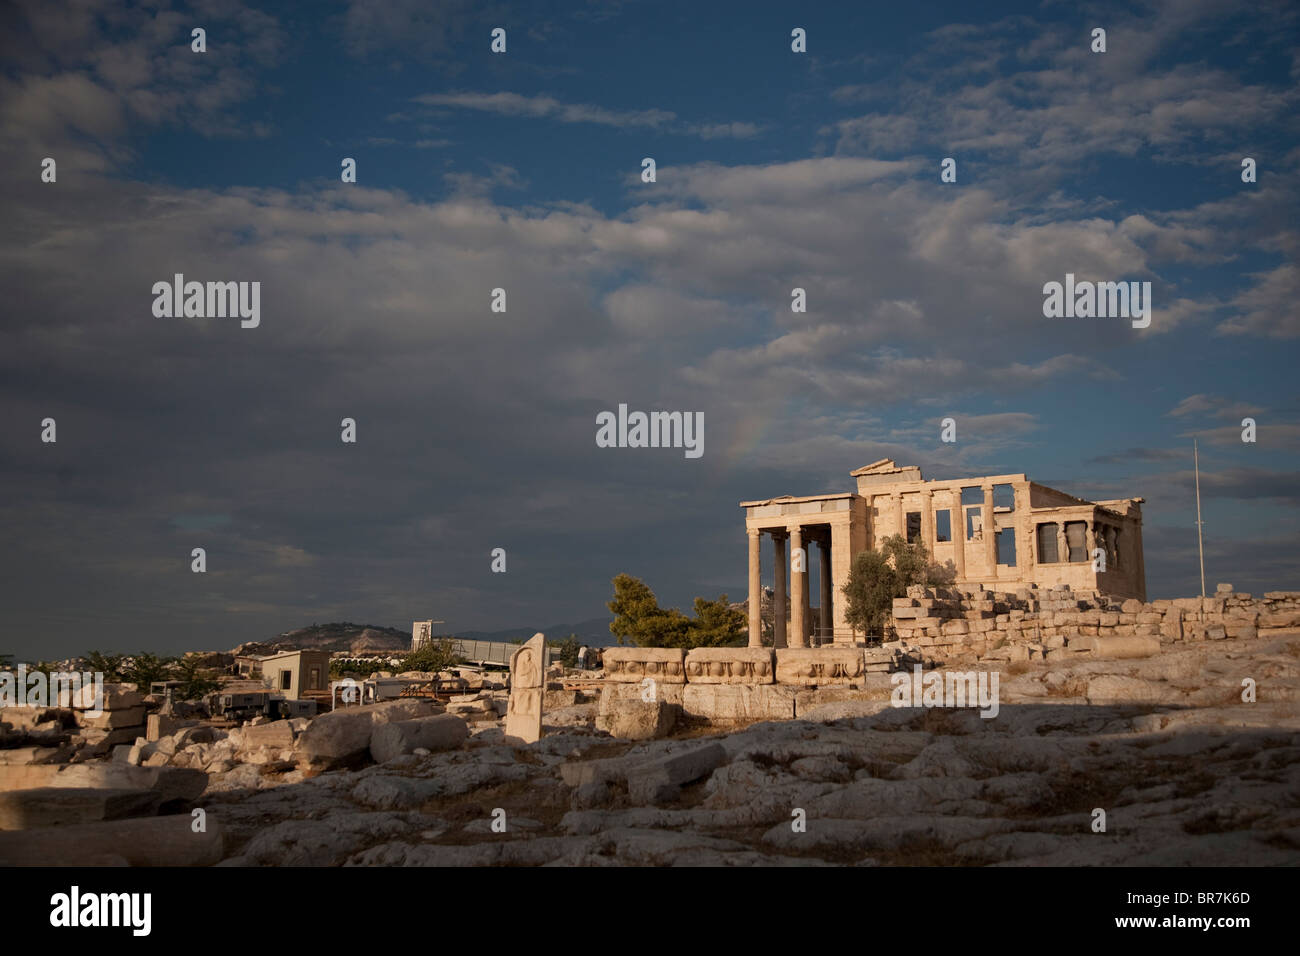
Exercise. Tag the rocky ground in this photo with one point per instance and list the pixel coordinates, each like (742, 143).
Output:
(1185, 771)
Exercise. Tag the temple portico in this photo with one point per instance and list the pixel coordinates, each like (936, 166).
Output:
(822, 528)
(1000, 531)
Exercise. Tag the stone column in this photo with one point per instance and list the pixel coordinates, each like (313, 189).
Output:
(896, 502)
(824, 609)
(755, 589)
(1026, 557)
(1140, 581)
(957, 521)
(927, 521)
(778, 588)
(1062, 548)
(841, 563)
(799, 591)
(1090, 539)
(807, 596)
(990, 544)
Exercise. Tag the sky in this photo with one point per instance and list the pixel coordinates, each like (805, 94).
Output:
(522, 170)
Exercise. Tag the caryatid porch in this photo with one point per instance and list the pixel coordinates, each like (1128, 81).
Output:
(836, 524)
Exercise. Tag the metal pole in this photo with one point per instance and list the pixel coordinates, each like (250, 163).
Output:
(1200, 541)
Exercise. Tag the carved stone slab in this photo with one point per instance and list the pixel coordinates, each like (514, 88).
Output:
(818, 666)
(524, 710)
(526, 663)
(730, 665)
(634, 664)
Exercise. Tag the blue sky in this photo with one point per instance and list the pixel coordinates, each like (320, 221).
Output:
(476, 170)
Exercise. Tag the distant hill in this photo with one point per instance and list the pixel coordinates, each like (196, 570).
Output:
(343, 636)
(358, 638)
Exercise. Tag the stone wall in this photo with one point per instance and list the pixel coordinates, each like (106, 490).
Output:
(941, 624)
(646, 688)
(797, 666)
(729, 685)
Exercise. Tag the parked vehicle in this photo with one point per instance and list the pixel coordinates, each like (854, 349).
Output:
(249, 704)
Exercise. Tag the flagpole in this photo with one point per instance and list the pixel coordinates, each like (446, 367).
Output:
(1200, 541)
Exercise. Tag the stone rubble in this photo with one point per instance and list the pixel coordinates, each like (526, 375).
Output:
(724, 773)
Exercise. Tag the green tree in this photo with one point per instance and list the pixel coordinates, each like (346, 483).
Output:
(110, 665)
(340, 669)
(566, 651)
(434, 656)
(195, 681)
(877, 577)
(639, 620)
(717, 624)
(634, 605)
(911, 561)
(144, 669)
(869, 592)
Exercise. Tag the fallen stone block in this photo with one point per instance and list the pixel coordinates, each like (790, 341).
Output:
(158, 726)
(116, 697)
(409, 708)
(640, 720)
(60, 806)
(474, 705)
(114, 719)
(434, 733)
(150, 841)
(342, 737)
(336, 739)
(1117, 647)
(661, 780)
(170, 783)
(103, 740)
(277, 733)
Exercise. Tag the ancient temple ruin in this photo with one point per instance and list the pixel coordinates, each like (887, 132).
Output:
(999, 532)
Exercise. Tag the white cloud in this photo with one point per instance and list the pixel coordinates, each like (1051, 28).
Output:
(547, 107)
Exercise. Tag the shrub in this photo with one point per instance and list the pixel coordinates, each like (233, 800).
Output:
(876, 578)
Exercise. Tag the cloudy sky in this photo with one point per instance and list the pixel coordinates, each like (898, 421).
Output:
(475, 170)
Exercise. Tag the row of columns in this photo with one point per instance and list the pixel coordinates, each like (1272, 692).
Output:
(956, 524)
(799, 599)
